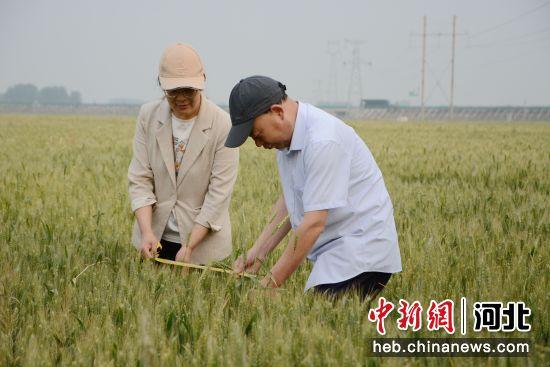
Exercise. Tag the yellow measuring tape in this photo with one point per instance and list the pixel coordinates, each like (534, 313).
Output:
(203, 267)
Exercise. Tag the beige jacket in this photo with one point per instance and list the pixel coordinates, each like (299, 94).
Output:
(203, 188)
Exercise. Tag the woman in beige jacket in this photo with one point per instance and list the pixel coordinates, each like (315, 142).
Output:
(181, 175)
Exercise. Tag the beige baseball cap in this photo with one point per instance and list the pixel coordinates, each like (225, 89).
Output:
(181, 67)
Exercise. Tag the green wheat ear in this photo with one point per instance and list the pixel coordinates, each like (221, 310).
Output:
(271, 219)
(295, 242)
(223, 264)
(273, 215)
(282, 222)
(279, 225)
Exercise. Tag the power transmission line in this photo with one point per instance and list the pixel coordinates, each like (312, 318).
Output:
(424, 35)
(519, 16)
(504, 59)
(437, 83)
(513, 39)
(355, 86)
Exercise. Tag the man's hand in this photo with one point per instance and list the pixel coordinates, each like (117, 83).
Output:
(250, 263)
(184, 255)
(148, 246)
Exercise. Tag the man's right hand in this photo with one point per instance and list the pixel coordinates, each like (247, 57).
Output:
(250, 263)
(148, 245)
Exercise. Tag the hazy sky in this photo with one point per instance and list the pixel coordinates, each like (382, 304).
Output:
(111, 49)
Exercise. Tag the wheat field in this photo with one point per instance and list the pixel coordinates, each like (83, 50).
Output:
(471, 207)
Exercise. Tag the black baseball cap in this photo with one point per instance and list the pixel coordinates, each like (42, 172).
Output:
(250, 98)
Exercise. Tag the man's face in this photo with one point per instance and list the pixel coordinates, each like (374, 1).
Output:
(270, 131)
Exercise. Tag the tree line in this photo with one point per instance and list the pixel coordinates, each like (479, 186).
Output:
(50, 95)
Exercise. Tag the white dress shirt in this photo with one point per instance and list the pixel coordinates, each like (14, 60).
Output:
(328, 166)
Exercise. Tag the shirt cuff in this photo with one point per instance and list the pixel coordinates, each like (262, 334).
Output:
(208, 224)
(141, 202)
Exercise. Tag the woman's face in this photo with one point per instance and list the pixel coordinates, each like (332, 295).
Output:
(184, 102)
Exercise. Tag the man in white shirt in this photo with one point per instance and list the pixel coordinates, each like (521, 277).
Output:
(333, 191)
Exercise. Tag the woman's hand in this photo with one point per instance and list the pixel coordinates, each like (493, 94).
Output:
(197, 235)
(250, 263)
(184, 255)
(148, 245)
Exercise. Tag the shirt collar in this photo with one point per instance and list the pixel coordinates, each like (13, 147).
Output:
(299, 133)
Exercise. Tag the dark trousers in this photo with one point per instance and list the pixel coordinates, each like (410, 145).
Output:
(169, 250)
(367, 284)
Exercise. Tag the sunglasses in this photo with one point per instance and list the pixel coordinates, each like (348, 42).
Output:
(187, 93)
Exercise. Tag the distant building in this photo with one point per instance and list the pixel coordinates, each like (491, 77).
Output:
(125, 101)
(375, 103)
